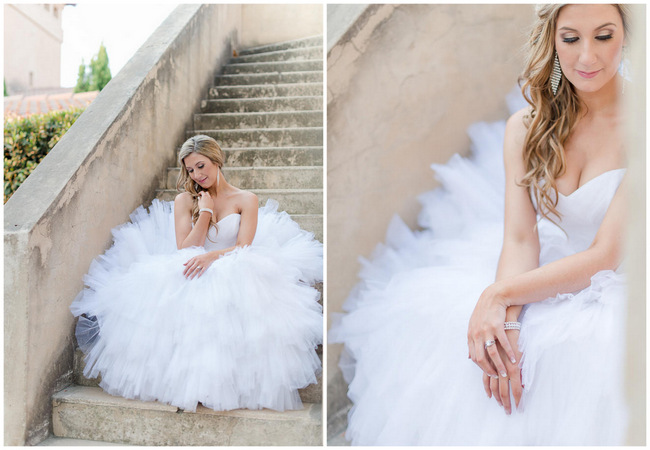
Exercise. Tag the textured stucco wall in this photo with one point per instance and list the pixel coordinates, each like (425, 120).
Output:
(32, 45)
(635, 121)
(109, 162)
(403, 85)
(267, 23)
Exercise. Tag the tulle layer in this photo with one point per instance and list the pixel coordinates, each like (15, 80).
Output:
(405, 331)
(243, 335)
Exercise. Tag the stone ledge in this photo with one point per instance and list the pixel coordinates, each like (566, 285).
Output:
(89, 413)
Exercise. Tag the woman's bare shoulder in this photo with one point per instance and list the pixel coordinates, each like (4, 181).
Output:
(183, 200)
(246, 198)
(516, 130)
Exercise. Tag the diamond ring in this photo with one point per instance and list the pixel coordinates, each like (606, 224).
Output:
(490, 343)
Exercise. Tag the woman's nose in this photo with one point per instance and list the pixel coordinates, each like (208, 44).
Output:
(587, 55)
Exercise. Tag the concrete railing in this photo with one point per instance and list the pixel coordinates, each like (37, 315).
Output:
(110, 161)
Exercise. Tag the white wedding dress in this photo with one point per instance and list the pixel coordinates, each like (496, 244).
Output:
(243, 335)
(405, 333)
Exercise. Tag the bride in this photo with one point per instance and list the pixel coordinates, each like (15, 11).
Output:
(205, 300)
(536, 297)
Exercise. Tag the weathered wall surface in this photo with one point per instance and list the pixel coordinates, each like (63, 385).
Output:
(267, 24)
(109, 162)
(403, 85)
(635, 111)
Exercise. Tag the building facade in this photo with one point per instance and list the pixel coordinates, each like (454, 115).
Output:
(32, 47)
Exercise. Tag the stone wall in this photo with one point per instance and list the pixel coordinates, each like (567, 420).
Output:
(403, 85)
(110, 161)
(267, 23)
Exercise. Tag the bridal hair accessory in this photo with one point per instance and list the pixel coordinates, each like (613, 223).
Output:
(556, 74)
(512, 326)
(206, 209)
(490, 343)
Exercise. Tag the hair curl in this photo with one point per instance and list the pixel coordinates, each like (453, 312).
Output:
(552, 117)
(208, 147)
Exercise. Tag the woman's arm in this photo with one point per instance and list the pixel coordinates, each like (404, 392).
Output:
(248, 225)
(519, 253)
(520, 250)
(565, 275)
(574, 272)
(186, 235)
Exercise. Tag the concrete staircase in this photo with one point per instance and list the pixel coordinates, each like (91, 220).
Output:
(265, 111)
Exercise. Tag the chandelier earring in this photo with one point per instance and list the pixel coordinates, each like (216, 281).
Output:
(556, 74)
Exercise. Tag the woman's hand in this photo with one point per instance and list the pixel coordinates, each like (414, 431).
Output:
(485, 325)
(205, 200)
(500, 387)
(197, 265)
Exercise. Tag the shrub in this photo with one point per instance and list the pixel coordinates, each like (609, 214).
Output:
(29, 139)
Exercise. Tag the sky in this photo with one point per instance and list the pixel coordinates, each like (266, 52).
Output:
(122, 27)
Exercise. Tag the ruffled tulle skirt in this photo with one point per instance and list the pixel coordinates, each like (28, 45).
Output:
(405, 331)
(243, 335)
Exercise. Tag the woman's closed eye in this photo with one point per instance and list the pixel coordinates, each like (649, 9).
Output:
(192, 170)
(572, 39)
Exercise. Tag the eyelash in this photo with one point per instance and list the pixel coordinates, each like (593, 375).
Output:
(571, 40)
(192, 170)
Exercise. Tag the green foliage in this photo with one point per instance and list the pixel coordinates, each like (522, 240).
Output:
(5, 83)
(29, 139)
(83, 82)
(96, 75)
(100, 73)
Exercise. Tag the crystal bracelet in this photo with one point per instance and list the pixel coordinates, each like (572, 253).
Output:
(512, 325)
(206, 209)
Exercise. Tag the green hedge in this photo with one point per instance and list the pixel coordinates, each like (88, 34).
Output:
(29, 139)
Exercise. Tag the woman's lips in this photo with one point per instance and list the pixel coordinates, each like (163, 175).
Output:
(588, 74)
(203, 180)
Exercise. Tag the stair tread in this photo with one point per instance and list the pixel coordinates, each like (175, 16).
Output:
(282, 43)
(252, 99)
(261, 74)
(260, 113)
(266, 85)
(97, 396)
(248, 130)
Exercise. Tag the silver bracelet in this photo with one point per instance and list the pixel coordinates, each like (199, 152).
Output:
(206, 209)
(512, 325)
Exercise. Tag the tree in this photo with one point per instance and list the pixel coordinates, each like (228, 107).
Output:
(96, 75)
(100, 73)
(83, 83)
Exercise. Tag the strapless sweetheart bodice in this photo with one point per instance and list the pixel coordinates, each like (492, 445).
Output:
(581, 214)
(225, 235)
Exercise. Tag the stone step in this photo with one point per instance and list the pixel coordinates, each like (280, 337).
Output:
(309, 394)
(274, 177)
(265, 137)
(292, 54)
(81, 412)
(269, 119)
(312, 41)
(273, 156)
(266, 90)
(240, 79)
(299, 103)
(54, 441)
(293, 201)
(274, 66)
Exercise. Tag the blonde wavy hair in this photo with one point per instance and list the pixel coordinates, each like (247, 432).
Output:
(208, 147)
(553, 117)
